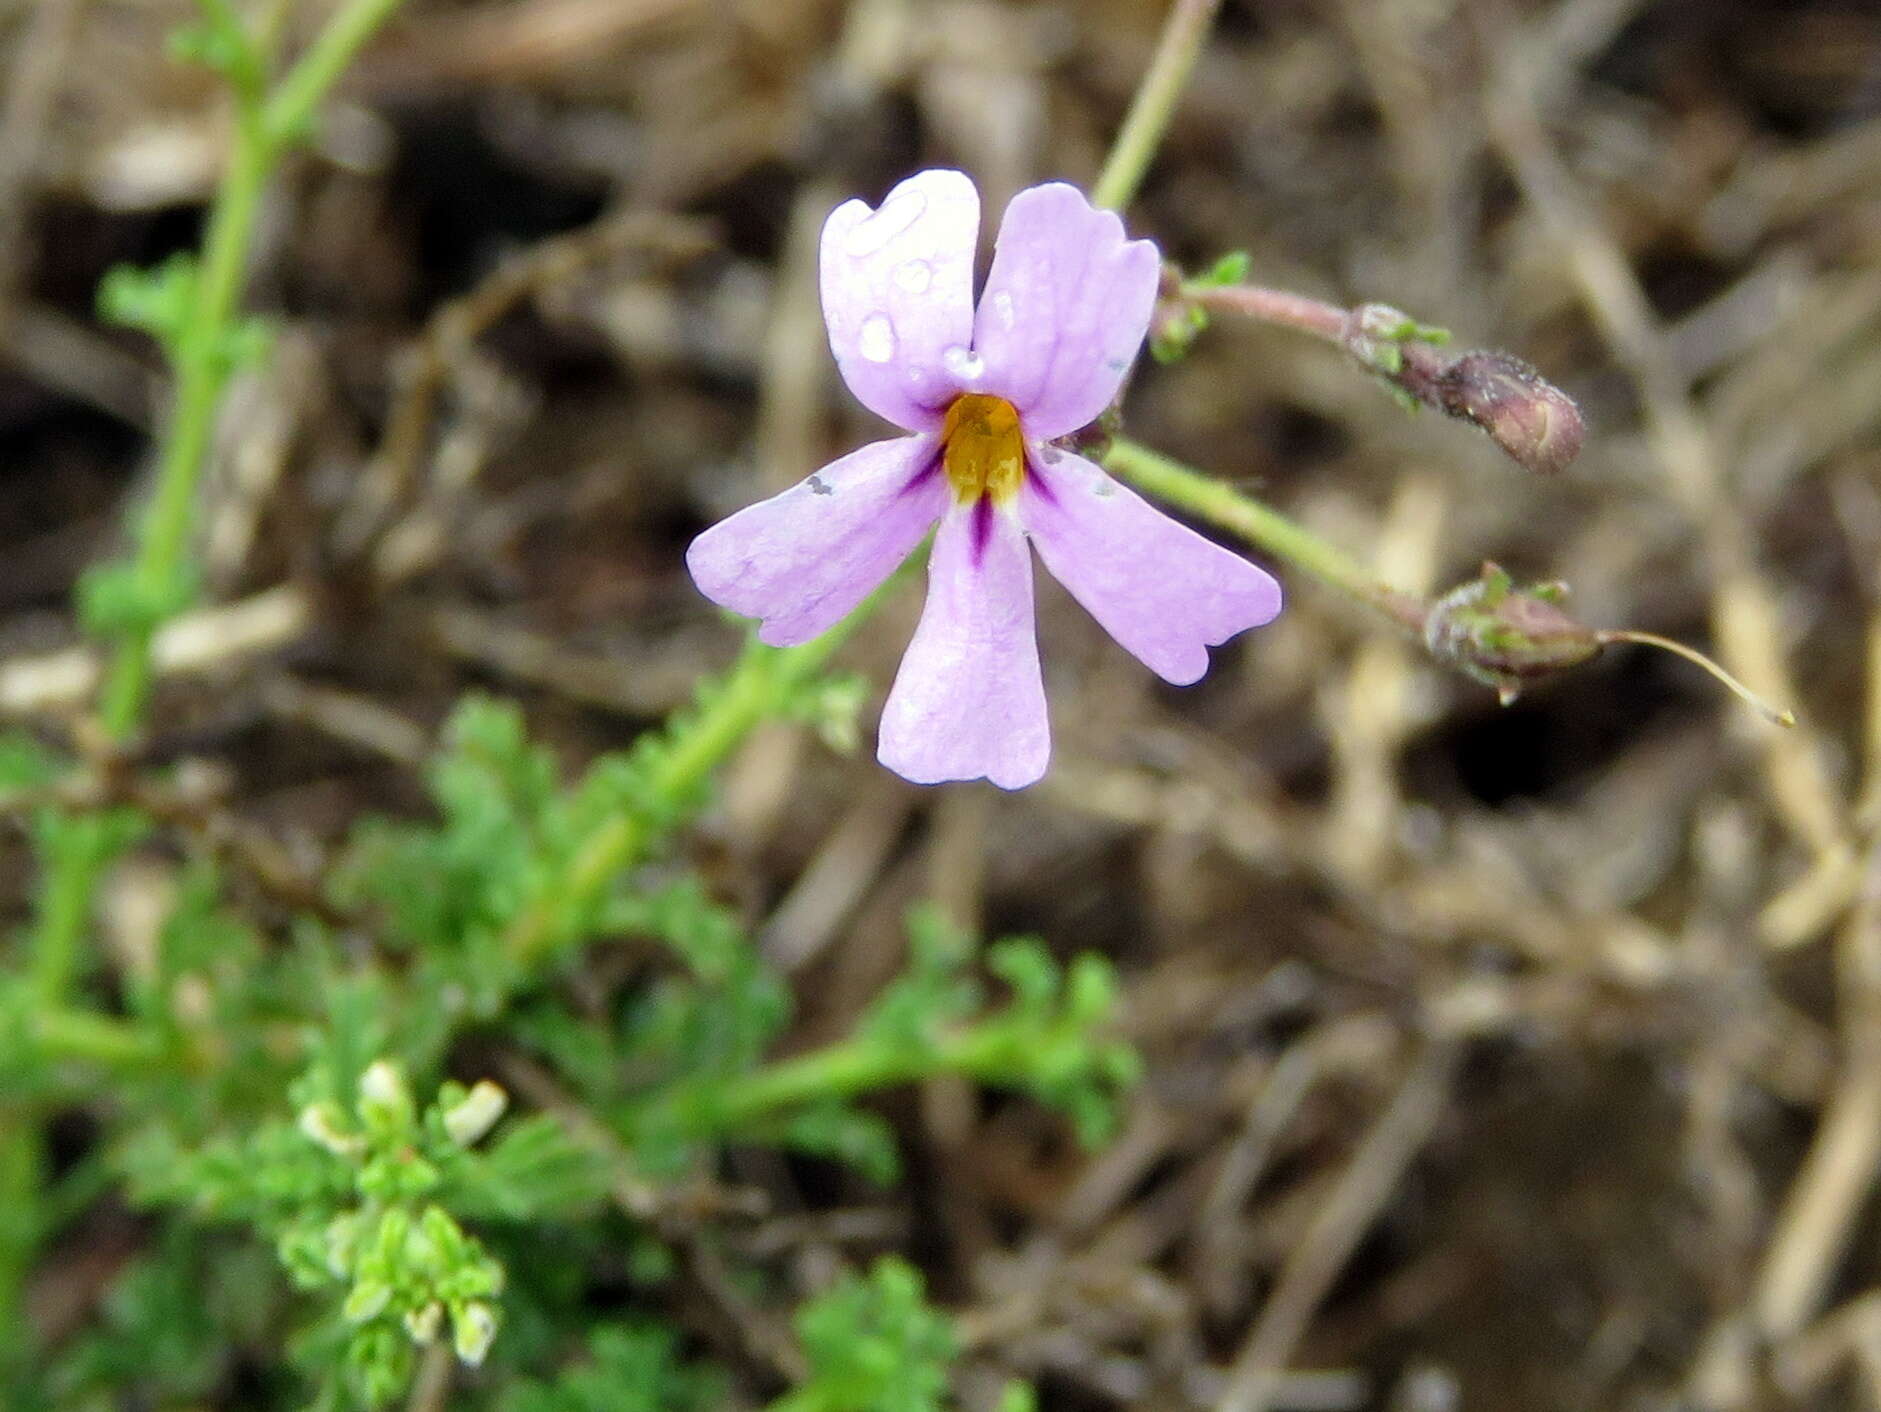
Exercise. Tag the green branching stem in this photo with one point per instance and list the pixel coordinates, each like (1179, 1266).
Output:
(21, 1157)
(265, 126)
(862, 1065)
(63, 908)
(1265, 528)
(99, 1041)
(746, 698)
(1184, 33)
(306, 85)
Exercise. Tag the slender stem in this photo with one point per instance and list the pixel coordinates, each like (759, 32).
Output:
(201, 354)
(746, 698)
(202, 374)
(1273, 306)
(264, 128)
(307, 83)
(1263, 527)
(63, 909)
(853, 1067)
(1184, 33)
(21, 1158)
(95, 1039)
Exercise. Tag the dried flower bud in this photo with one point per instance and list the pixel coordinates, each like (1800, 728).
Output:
(1506, 638)
(1535, 423)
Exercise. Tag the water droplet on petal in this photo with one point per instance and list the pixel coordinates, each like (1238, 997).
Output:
(895, 217)
(915, 276)
(1002, 308)
(966, 365)
(876, 341)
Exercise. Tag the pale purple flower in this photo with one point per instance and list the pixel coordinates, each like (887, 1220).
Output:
(982, 393)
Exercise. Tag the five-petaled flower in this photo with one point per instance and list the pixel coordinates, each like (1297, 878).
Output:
(982, 392)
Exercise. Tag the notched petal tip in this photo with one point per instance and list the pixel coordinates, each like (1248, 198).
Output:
(1067, 304)
(1008, 775)
(897, 289)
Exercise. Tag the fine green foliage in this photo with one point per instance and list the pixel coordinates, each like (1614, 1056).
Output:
(273, 1103)
(873, 1345)
(632, 1367)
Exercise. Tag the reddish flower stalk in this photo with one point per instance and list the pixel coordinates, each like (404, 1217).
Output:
(1535, 423)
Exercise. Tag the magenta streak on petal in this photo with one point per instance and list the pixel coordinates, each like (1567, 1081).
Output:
(982, 528)
(969, 700)
(804, 559)
(1044, 455)
(1161, 590)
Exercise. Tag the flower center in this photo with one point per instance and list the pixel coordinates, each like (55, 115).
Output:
(982, 448)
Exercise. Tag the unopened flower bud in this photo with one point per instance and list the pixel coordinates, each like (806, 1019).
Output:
(1535, 423)
(367, 1301)
(423, 1322)
(384, 1100)
(341, 1243)
(473, 1329)
(467, 1121)
(325, 1124)
(1506, 638)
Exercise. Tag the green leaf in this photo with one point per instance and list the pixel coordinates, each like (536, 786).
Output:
(156, 301)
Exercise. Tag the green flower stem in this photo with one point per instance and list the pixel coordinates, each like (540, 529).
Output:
(306, 85)
(98, 1040)
(745, 700)
(21, 1220)
(64, 907)
(264, 129)
(853, 1067)
(1265, 528)
(1184, 33)
(202, 374)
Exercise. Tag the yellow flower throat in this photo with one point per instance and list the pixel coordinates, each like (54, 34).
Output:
(982, 449)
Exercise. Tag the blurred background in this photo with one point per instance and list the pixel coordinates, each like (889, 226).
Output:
(1521, 1057)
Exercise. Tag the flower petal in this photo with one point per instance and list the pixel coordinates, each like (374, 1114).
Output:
(1162, 590)
(969, 700)
(802, 560)
(898, 293)
(1065, 309)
